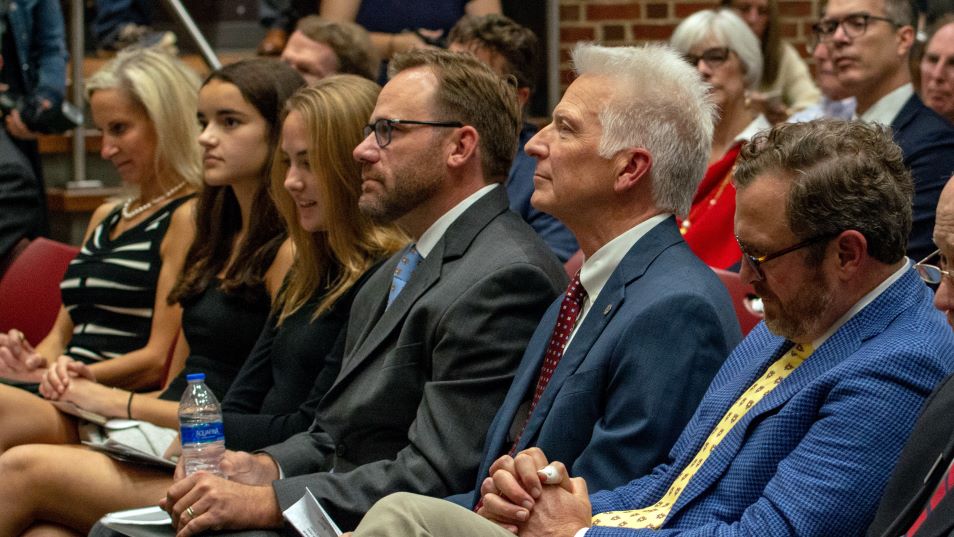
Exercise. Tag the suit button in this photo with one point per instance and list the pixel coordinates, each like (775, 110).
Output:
(340, 450)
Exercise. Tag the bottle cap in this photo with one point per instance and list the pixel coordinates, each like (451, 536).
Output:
(192, 377)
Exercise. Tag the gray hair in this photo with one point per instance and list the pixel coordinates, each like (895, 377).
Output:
(727, 28)
(660, 103)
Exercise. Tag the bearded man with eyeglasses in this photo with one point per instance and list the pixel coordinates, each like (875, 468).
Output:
(869, 42)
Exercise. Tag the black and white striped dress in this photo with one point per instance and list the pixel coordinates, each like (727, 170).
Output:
(109, 290)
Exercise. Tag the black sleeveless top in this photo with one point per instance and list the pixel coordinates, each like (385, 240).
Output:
(109, 289)
(221, 330)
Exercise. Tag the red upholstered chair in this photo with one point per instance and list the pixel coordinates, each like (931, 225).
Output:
(746, 302)
(30, 288)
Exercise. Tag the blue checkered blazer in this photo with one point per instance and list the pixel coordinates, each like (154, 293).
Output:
(812, 457)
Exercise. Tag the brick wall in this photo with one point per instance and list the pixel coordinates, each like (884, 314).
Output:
(622, 22)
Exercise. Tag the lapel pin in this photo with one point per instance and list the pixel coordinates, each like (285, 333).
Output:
(607, 309)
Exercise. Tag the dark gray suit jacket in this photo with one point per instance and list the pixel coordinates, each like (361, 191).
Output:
(422, 380)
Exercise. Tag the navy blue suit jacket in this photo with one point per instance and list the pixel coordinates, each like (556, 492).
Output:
(812, 457)
(633, 373)
(927, 141)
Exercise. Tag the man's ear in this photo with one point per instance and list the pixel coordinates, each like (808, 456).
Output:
(464, 145)
(905, 36)
(635, 163)
(851, 248)
(523, 95)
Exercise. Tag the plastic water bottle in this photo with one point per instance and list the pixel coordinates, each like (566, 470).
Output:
(200, 426)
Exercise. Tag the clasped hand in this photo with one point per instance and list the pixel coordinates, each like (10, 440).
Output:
(520, 497)
(57, 378)
(203, 502)
(18, 359)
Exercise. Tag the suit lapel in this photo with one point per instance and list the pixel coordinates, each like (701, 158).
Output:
(498, 441)
(869, 322)
(610, 300)
(907, 113)
(596, 320)
(452, 245)
(425, 275)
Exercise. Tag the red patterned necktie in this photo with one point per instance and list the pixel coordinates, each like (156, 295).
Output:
(570, 310)
(945, 485)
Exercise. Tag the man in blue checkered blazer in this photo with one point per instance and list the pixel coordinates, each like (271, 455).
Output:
(823, 213)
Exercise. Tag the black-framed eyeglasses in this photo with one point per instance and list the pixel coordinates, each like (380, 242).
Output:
(382, 128)
(713, 57)
(932, 273)
(854, 25)
(755, 262)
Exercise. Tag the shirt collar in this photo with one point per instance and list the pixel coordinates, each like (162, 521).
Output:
(887, 108)
(861, 304)
(597, 268)
(433, 234)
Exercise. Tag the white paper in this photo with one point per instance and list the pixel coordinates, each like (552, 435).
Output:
(143, 522)
(145, 516)
(310, 518)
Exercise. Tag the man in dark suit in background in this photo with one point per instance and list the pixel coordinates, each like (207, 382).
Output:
(919, 498)
(869, 42)
(435, 334)
(655, 319)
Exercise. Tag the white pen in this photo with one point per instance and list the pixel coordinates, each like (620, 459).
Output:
(549, 475)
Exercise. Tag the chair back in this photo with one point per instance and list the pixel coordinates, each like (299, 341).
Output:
(30, 288)
(746, 302)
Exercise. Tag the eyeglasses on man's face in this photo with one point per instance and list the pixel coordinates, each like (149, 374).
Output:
(933, 273)
(853, 25)
(383, 128)
(755, 262)
(712, 57)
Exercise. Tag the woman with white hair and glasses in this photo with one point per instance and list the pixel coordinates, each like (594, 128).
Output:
(728, 57)
(786, 85)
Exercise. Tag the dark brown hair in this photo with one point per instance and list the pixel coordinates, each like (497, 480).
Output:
(265, 84)
(516, 44)
(472, 93)
(844, 175)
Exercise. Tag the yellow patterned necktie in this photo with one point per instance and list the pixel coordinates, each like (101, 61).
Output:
(652, 517)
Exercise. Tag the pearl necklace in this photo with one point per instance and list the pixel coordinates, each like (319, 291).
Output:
(127, 214)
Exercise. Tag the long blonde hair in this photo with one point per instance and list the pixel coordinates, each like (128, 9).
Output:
(167, 90)
(334, 111)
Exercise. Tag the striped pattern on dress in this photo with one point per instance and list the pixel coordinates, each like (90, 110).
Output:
(109, 289)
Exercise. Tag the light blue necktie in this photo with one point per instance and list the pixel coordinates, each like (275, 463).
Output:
(402, 272)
